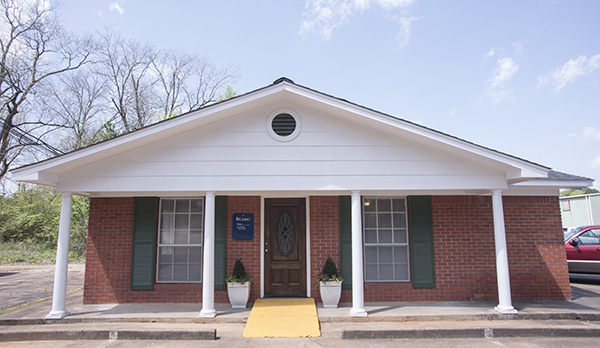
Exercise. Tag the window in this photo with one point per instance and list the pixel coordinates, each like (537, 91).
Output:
(386, 239)
(180, 241)
(591, 237)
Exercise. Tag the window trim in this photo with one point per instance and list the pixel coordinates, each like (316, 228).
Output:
(406, 244)
(159, 244)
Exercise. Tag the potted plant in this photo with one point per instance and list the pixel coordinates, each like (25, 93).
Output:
(238, 285)
(330, 284)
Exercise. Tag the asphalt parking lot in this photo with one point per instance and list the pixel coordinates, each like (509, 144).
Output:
(22, 284)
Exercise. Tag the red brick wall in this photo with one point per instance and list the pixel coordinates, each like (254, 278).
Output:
(324, 239)
(536, 250)
(108, 260)
(108, 264)
(464, 252)
(248, 250)
(463, 247)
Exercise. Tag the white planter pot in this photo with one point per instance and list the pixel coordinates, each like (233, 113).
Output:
(238, 294)
(330, 293)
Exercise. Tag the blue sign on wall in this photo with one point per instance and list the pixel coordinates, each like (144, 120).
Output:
(243, 226)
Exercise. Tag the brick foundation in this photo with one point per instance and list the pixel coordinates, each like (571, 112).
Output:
(464, 252)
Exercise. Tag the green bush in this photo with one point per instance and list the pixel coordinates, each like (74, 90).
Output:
(31, 216)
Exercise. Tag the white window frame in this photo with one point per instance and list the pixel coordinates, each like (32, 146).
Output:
(160, 245)
(367, 201)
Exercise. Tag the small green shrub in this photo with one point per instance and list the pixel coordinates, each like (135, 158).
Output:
(329, 272)
(239, 274)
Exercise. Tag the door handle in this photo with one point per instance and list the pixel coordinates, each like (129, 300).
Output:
(266, 250)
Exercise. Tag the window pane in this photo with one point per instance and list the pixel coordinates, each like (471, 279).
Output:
(166, 237)
(385, 236)
(182, 221)
(384, 205)
(180, 272)
(371, 236)
(165, 272)
(182, 206)
(181, 255)
(166, 205)
(181, 237)
(589, 237)
(384, 220)
(166, 221)
(398, 205)
(195, 255)
(371, 272)
(195, 237)
(371, 255)
(400, 254)
(195, 221)
(196, 205)
(369, 204)
(400, 236)
(385, 254)
(401, 272)
(399, 221)
(165, 255)
(386, 272)
(195, 272)
(370, 220)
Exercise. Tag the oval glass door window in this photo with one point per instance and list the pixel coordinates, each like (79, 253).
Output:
(285, 234)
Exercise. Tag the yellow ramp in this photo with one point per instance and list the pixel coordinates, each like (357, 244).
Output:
(283, 317)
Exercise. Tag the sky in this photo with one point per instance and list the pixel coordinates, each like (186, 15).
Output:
(521, 77)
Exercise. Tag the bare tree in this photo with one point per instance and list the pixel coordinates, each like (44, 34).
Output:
(207, 84)
(188, 82)
(75, 104)
(34, 48)
(126, 66)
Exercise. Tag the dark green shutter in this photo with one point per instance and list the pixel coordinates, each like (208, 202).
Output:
(421, 242)
(220, 241)
(346, 240)
(144, 236)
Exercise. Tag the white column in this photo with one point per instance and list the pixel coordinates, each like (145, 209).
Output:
(358, 293)
(208, 281)
(59, 294)
(504, 297)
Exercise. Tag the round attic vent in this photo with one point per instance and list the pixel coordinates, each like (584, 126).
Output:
(284, 125)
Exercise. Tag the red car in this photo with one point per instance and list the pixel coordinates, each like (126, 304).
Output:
(583, 249)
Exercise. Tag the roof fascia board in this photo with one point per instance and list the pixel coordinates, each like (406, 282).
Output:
(556, 183)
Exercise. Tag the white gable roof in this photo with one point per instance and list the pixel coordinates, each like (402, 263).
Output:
(341, 146)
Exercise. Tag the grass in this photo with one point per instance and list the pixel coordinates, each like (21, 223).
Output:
(21, 252)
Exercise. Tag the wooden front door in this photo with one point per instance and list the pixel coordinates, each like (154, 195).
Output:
(285, 247)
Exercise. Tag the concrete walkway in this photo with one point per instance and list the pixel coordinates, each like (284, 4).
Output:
(385, 320)
(577, 318)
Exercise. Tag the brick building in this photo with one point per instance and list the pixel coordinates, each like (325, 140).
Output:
(284, 177)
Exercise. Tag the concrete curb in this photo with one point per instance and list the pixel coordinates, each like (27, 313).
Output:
(465, 317)
(470, 333)
(322, 319)
(87, 334)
